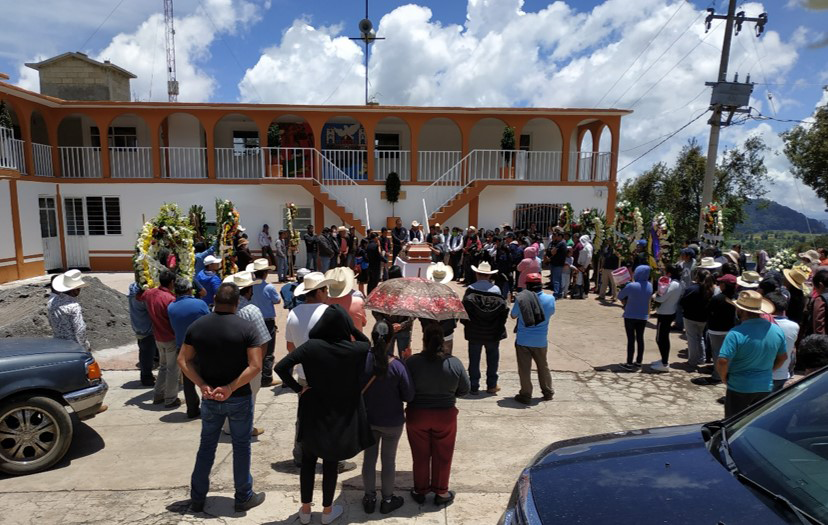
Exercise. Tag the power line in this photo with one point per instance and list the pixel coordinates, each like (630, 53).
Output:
(95, 32)
(673, 134)
(683, 106)
(680, 5)
(347, 72)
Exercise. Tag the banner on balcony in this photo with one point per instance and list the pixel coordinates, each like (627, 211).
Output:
(343, 136)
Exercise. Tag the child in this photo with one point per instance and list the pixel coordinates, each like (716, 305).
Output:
(566, 276)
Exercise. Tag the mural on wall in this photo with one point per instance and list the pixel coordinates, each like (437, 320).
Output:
(344, 146)
(343, 136)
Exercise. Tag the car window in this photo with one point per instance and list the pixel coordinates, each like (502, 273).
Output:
(783, 446)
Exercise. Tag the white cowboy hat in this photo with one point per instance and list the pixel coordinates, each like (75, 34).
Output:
(752, 301)
(242, 279)
(68, 281)
(440, 273)
(342, 229)
(211, 259)
(710, 263)
(312, 281)
(810, 255)
(472, 229)
(241, 228)
(258, 265)
(749, 279)
(733, 255)
(341, 281)
(484, 268)
(415, 224)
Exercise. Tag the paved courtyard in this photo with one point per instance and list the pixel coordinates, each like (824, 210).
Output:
(132, 463)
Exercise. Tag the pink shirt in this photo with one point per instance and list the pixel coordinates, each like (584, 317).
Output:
(355, 307)
(528, 265)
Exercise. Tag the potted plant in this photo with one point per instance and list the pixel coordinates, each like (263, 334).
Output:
(274, 140)
(507, 144)
(392, 195)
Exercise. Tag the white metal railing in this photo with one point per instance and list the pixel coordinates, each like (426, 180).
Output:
(7, 159)
(349, 162)
(130, 162)
(539, 165)
(42, 156)
(300, 163)
(183, 163)
(588, 166)
(239, 163)
(80, 162)
(17, 155)
(431, 165)
(447, 186)
(340, 186)
(397, 161)
(602, 166)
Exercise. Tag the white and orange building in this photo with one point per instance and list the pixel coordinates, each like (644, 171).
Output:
(74, 196)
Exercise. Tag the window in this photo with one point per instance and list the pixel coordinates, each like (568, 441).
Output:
(303, 219)
(119, 137)
(73, 206)
(541, 215)
(48, 217)
(387, 141)
(104, 215)
(244, 140)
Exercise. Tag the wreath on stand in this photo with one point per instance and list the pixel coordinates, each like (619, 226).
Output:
(660, 245)
(626, 229)
(566, 218)
(227, 220)
(293, 241)
(713, 225)
(165, 242)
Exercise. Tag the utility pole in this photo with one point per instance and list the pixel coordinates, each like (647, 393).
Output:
(172, 83)
(366, 29)
(727, 96)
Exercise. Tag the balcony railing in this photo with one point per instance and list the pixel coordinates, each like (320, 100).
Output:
(588, 166)
(538, 165)
(397, 161)
(78, 162)
(183, 163)
(433, 164)
(348, 162)
(239, 163)
(11, 151)
(300, 163)
(131, 162)
(42, 156)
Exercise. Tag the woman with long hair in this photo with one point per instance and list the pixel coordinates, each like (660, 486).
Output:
(695, 304)
(431, 417)
(387, 386)
(333, 424)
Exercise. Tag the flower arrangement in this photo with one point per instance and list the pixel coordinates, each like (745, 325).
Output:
(290, 214)
(622, 232)
(227, 220)
(598, 229)
(566, 217)
(714, 224)
(198, 222)
(168, 233)
(783, 260)
(638, 228)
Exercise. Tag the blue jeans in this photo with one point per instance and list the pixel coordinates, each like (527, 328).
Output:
(324, 263)
(492, 359)
(146, 354)
(556, 272)
(311, 261)
(239, 410)
(281, 267)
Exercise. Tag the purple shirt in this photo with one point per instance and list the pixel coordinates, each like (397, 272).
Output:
(384, 398)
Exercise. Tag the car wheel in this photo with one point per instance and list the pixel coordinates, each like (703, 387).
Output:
(35, 433)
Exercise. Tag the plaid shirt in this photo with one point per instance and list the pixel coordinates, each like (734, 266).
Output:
(251, 312)
(66, 318)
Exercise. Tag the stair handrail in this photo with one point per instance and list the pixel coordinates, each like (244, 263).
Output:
(350, 204)
(430, 193)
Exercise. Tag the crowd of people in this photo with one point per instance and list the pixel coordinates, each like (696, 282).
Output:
(357, 395)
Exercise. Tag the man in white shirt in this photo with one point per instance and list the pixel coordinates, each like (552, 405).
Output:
(265, 242)
(791, 331)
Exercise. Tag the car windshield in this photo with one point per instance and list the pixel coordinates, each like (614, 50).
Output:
(783, 445)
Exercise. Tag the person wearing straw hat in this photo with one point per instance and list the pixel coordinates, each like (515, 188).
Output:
(750, 353)
(265, 296)
(440, 273)
(243, 255)
(749, 280)
(810, 258)
(415, 234)
(340, 291)
(485, 327)
(796, 283)
(64, 312)
(710, 264)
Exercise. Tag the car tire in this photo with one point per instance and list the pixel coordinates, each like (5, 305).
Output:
(35, 433)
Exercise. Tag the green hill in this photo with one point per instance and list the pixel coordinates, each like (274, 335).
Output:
(762, 215)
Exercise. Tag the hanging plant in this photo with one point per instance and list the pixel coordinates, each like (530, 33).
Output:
(169, 232)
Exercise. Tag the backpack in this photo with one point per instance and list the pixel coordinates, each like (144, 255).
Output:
(289, 299)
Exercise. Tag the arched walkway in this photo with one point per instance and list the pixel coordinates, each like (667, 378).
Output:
(183, 147)
(541, 145)
(130, 147)
(79, 142)
(489, 160)
(440, 145)
(238, 148)
(12, 154)
(344, 147)
(392, 140)
(290, 144)
(41, 149)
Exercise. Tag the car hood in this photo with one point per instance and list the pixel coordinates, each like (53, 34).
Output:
(17, 346)
(660, 475)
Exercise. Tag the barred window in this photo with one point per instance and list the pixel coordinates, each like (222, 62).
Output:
(104, 215)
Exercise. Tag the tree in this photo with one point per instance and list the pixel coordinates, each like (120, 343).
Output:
(392, 190)
(677, 190)
(806, 147)
(5, 116)
(274, 136)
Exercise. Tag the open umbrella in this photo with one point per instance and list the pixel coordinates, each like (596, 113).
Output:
(416, 297)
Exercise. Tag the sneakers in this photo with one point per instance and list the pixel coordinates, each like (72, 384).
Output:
(255, 500)
(391, 504)
(629, 367)
(304, 519)
(416, 496)
(659, 366)
(369, 503)
(444, 500)
(494, 390)
(335, 513)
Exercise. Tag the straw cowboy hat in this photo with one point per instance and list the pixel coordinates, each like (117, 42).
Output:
(241, 279)
(810, 256)
(709, 263)
(415, 224)
(211, 259)
(341, 281)
(342, 229)
(259, 265)
(68, 281)
(796, 276)
(733, 255)
(243, 242)
(749, 280)
(439, 272)
(312, 281)
(472, 229)
(751, 301)
(484, 268)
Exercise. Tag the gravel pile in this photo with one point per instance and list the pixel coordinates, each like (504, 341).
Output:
(106, 312)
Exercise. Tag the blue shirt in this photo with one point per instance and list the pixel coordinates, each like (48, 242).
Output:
(183, 312)
(535, 336)
(751, 348)
(637, 294)
(485, 286)
(199, 258)
(138, 315)
(210, 282)
(265, 296)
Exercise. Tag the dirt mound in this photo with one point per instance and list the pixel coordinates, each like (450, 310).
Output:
(106, 312)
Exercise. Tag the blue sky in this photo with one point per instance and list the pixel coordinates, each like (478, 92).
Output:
(455, 52)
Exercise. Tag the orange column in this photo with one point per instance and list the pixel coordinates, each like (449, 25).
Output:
(28, 151)
(318, 215)
(209, 131)
(154, 125)
(474, 208)
(52, 130)
(18, 235)
(566, 138)
(103, 131)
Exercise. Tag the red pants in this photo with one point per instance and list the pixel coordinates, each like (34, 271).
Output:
(431, 434)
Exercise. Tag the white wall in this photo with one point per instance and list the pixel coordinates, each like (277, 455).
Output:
(400, 128)
(27, 197)
(486, 134)
(7, 239)
(185, 131)
(497, 203)
(545, 135)
(440, 134)
(225, 127)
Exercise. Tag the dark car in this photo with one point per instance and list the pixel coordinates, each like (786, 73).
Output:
(766, 465)
(40, 378)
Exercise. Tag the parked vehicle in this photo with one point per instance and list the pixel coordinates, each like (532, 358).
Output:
(40, 378)
(766, 465)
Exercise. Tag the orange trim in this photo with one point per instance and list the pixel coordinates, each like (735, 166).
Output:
(31, 269)
(18, 235)
(8, 259)
(8, 273)
(110, 264)
(125, 252)
(474, 208)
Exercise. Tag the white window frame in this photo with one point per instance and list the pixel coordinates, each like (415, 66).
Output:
(106, 232)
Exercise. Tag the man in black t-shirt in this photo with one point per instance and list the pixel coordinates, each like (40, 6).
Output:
(224, 346)
(310, 247)
(557, 260)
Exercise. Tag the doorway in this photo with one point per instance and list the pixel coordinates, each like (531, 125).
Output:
(77, 242)
(52, 259)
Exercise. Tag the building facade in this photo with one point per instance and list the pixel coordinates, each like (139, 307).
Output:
(79, 178)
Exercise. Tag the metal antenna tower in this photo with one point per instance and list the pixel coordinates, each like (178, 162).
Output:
(366, 28)
(172, 83)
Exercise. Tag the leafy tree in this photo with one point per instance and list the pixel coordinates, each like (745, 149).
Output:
(5, 116)
(806, 147)
(274, 136)
(677, 190)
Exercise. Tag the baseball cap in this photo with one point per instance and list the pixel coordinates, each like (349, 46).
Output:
(727, 278)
